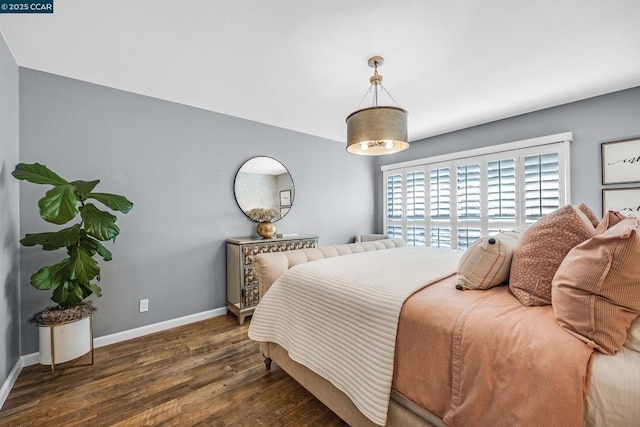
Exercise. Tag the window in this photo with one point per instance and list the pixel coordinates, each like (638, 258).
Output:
(450, 201)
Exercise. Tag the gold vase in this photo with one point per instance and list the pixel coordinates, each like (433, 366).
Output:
(266, 229)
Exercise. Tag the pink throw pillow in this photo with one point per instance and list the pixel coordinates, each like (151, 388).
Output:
(541, 250)
(589, 213)
(596, 290)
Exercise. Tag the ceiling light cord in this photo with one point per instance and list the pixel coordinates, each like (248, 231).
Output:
(375, 80)
(376, 88)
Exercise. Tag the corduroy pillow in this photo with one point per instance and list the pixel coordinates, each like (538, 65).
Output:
(541, 250)
(596, 290)
(589, 213)
(487, 262)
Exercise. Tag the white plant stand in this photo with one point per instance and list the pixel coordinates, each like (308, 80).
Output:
(66, 342)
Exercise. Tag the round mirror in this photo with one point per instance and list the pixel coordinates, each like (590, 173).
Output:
(264, 189)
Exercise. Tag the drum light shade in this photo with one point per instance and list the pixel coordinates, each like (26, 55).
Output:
(377, 130)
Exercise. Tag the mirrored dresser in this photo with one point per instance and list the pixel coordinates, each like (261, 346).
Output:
(242, 285)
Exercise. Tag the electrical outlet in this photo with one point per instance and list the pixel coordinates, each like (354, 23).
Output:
(144, 305)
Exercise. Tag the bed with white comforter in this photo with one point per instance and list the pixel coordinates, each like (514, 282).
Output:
(339, 317)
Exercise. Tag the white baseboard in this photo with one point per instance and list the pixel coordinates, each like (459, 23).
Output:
(10, 381)
(157, 327)
(34, 358)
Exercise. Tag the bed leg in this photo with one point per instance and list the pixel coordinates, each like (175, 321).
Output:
(267, 363)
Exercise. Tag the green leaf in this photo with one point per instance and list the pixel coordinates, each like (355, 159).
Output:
(85, 187)
(37, 173)
(43, 239)
(50, 276)
(82, 268)
(99, 224)
(93, 246)
(59, 204)
(112, 201)
(76, 295)
(68, 294)
(61, 293)
(92, 289)
(51, 241)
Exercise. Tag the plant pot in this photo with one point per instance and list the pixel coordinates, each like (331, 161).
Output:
(70, 341)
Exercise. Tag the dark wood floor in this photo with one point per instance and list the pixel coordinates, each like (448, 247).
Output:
(206, 373)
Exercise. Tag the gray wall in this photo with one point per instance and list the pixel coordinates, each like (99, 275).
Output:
(9, 215)
(593, 121)
(177, 165)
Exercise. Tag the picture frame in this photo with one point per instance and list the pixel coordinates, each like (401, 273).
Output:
(284, 211)
(620, 161)
(285, 198)
(624, 200)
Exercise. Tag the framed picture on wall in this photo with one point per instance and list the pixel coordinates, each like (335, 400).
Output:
(620, 161)
(285, 198)
(625, 200)
(284, 211)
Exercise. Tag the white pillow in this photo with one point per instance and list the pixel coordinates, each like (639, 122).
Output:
(487, 262)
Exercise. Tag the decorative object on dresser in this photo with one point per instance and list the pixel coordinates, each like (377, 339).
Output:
(261, 186)
(242, 284)
(264, 217)
(66, 330)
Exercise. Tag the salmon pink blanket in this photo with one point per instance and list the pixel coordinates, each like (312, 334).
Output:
(480, 358)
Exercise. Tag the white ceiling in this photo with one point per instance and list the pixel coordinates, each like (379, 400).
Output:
(302, 65)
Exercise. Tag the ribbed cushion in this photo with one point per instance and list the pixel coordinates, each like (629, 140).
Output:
(487, 262)
(541, 250)
(596, 290)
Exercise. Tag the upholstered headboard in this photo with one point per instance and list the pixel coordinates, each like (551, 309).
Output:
(268, 267)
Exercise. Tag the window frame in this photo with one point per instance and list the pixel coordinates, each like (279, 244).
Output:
(558, 143)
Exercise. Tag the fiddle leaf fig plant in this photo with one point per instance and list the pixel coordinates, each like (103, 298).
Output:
(71, 279)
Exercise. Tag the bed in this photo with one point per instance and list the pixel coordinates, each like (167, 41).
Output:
(477, 366)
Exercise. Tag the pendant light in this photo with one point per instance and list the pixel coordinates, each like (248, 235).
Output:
(380, 129)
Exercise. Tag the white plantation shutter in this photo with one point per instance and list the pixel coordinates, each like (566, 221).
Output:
(501, 189)
(394, 231)
(440, 193)
(541, 181)
(415, 195)
(415, 208)
(405, 212)
(441, 237)
(469, 182)
(394, 197)
(440, 206)
(450, 201)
